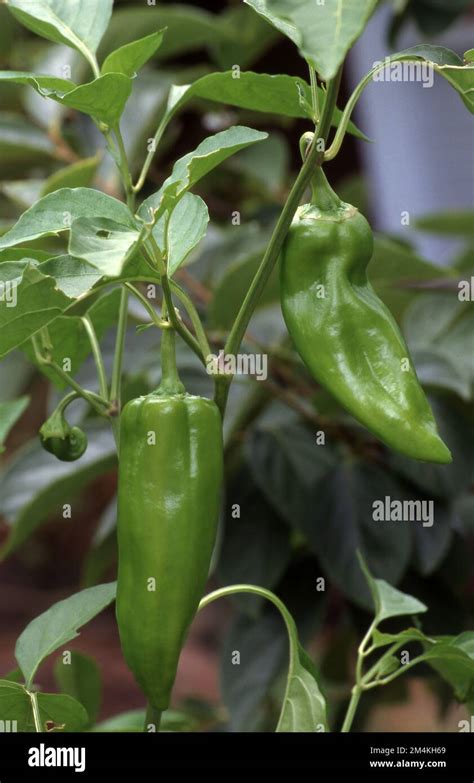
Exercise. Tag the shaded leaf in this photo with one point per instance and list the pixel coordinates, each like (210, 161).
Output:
(58, 625)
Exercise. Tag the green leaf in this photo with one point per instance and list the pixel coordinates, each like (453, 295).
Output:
(187, 171)
(453, 659)
(10, 412)
(58, 625)
(79, 25)
(102, 242)
(276, 94)
(380, 639)
(80, 677)
(61, 713)
(186, 227)
(77, 175)
(104, 98)
(228, 295)
(58, 713)
(388, 601)
(455, 223)
(340, 520)
(42, 83)
(288, 466)
(55, 213)
(128, 59)
(73, 276)
(447, 64)
(35, 484)
(30, 301)
(323, 32)
(187, 28)
(70, 340)
(304, 706)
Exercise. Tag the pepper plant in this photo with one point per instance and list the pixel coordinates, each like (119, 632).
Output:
(79, 260)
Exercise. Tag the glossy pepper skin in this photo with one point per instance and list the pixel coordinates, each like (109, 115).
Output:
(344, 333)
(67, 449)
(168, 505)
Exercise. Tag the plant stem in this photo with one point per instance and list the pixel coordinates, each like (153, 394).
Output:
(125, 170)
(146, 304)
(177, 325)
(194, 316)
(119, 349)
(97, 353)
(351, 710)
(170, 380)
(36, 712)
(314, 159)
(349, 108)
(149, 158)
(152, 717)
(94, 400)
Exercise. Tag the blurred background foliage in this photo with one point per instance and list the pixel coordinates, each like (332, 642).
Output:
(304, 508)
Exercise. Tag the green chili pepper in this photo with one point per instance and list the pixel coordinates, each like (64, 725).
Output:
(59, 438)
(344, 333)
(170, 475)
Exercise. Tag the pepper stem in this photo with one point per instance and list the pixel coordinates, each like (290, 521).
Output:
(170, 380)
(322, 194)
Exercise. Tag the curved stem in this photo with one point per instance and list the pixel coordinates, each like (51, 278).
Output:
(224, 592)
(149, 158)
(94, 400)
(177, 324)
(349, 108)
(194, 316)
(119, 348)
(314, 159)
(97, 353)
(146, 304)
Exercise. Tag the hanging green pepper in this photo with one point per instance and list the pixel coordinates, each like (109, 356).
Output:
(344, 333)
(170, 475)
(59, 438)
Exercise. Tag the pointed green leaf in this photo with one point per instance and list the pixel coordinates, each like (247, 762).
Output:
(64, 712)
(55, 213)
(103, 99)
(323, 32)
(389, 602)
(276, 94)
(80, 25)
(196, 164)
(186, 227)
(102, 242)
(304, 707)
(128, 59)
(30, 300)
(58, 625)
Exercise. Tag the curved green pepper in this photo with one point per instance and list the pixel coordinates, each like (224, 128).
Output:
(59, 438)
(344, 333)
(170, 475)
